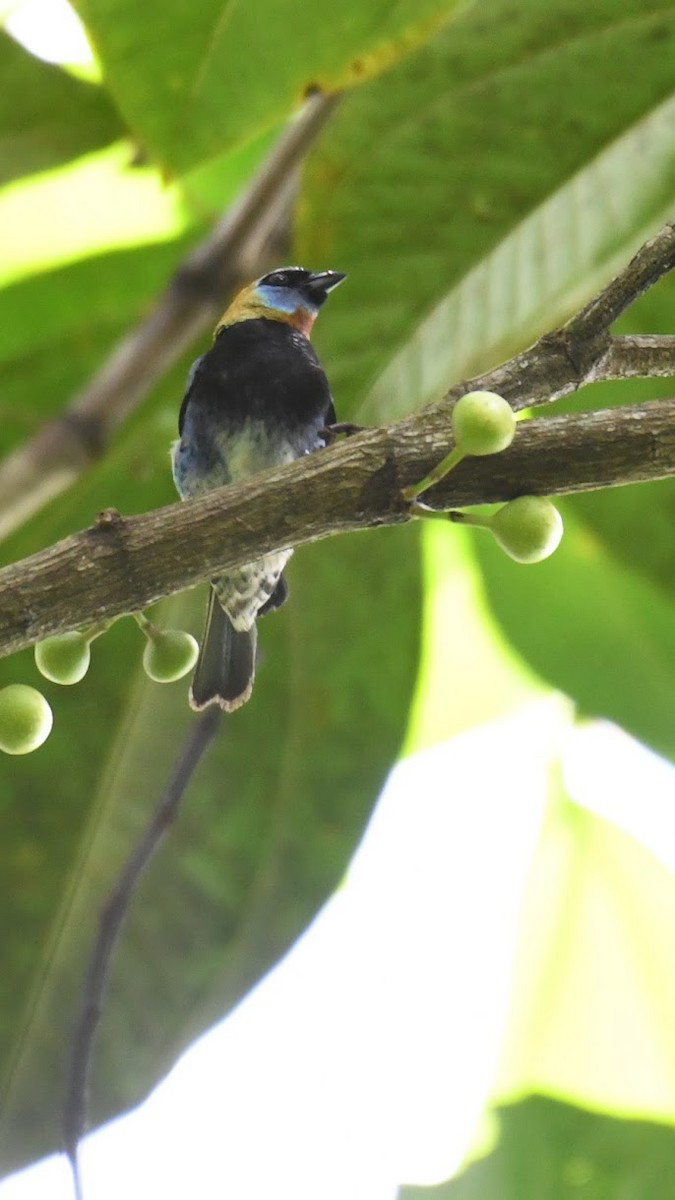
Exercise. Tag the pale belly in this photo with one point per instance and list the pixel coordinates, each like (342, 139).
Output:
(245, 590)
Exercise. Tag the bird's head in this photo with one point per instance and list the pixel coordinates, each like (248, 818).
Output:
(290, 294)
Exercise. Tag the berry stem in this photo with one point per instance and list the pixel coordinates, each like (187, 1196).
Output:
(466, 518)
(146, 625)
(439, 472)
(99, 628)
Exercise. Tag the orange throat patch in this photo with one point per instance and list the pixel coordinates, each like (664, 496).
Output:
(247, 308)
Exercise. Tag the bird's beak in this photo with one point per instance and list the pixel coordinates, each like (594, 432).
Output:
(323, 282)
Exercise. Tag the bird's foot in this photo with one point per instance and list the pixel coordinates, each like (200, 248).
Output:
(345, 428)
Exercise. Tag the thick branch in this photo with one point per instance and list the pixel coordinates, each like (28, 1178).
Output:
(653, 260)
(236, 248)
(636, 357)
(122, 565)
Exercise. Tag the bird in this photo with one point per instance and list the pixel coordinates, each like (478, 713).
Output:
(258, 398)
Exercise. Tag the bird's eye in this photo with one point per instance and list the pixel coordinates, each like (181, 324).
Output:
(276, 279)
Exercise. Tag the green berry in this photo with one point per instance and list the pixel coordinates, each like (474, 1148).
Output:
(528, 529)
(483, 423)
(169, 654)
(64, 658)
(25, 719)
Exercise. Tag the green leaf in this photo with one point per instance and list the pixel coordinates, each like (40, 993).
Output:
(422, 175)
(542, 272)
(210, 187)
(96, 203)
(593, 627)
(52, 117)
(590, 1019)
(548, 1150)
(193, 80)
(594, 987)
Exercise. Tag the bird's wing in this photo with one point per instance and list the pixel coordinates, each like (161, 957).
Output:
(188, 391)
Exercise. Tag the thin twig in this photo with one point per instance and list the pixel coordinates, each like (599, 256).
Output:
(111, 918)
(582, 350)
(638, 357)
(653, 260)
(237, 248)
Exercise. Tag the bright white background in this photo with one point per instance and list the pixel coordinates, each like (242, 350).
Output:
(366, 1057)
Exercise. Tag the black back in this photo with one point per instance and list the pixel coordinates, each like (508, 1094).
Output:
(262, 369)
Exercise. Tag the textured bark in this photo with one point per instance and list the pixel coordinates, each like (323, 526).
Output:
(121, 565)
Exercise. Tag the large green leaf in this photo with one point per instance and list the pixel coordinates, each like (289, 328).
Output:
(547, 1150)
(543, 271)
(195, 79)
(423, 172)
(590, 1020)
(550, 263)
(52, 116)
(594, 985)
(268, 825)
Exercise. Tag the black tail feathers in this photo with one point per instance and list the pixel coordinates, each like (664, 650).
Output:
(226, 665)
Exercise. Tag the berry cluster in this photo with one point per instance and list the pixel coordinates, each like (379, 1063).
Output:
(25, 715)
(528, 528)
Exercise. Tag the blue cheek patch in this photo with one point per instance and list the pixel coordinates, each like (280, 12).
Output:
(284, 299)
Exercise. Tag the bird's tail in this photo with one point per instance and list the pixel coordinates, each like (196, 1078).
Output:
(226, 664)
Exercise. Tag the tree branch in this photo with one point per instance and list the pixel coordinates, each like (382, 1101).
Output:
(121, 565)
(236, 249)
(638, 358)
(582, 351)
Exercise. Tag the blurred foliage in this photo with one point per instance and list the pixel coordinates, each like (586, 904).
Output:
(52, 117)
(590, 1020)
(594, 989)
(481, 178)
(554, 1151)
(195, 81)
(426, 170)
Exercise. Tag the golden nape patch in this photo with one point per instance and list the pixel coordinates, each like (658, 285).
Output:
(247, 306)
